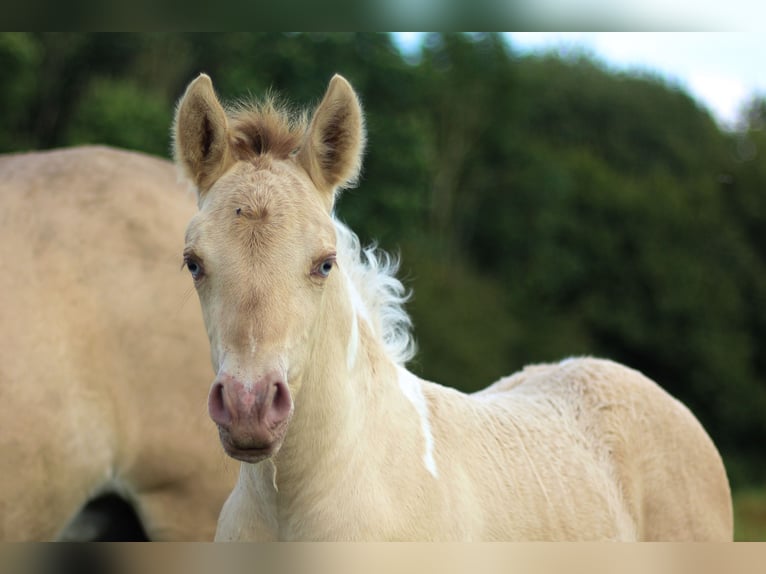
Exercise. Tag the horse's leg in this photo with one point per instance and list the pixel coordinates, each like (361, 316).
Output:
(107, 518)
(178, 491)
(180, 511)
(41, 491)
(56, 448)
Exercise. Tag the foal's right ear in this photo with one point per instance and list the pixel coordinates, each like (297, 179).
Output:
(200, 135)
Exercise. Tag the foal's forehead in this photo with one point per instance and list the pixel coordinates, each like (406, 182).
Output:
(264, 197)
(257, 191)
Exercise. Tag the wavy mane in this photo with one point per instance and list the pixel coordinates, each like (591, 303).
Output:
(373, 273)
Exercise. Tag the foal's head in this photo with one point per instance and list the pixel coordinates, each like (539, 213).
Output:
(262, 248)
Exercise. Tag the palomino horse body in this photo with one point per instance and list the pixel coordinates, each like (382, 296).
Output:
(338, 441)
(102, 357)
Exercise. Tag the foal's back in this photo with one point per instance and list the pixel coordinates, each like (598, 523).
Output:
(103, 358)
(615, 444)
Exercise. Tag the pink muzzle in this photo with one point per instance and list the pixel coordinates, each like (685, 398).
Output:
(252, 419)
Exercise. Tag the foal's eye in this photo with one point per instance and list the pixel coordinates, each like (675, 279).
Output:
(324, 268)
(194, 266)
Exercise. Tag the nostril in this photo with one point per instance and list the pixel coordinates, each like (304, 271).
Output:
(281, 403)
(216, 406)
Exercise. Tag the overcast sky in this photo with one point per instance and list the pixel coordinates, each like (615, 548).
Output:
(721, 70)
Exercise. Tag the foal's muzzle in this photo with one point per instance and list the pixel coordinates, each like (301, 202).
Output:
(252, 418)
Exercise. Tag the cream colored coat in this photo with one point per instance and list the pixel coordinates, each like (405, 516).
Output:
(103, 358)
(337, 440)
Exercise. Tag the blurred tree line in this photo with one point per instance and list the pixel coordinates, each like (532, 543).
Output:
(543, 206)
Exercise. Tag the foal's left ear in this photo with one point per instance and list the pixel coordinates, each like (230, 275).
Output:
(201, 135)
(332, 149)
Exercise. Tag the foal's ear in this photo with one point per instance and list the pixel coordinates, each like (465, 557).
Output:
(332, 149)
(200, 135)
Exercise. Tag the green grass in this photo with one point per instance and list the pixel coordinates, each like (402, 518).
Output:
(750, 515)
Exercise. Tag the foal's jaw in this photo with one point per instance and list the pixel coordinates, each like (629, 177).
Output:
(252, 419)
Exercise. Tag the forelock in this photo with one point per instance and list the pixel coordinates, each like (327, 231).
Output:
(266, 128)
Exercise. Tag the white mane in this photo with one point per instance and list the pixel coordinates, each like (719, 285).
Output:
(372, 273)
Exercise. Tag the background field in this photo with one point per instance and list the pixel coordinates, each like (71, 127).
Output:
(543, 206)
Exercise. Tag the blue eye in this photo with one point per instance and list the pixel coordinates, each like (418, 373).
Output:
(194, 266)
(324, 268)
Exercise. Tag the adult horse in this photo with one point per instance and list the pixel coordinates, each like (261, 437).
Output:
(102, 358)
(338, 441)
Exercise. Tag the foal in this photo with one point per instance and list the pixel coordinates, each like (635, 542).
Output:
(338, 441)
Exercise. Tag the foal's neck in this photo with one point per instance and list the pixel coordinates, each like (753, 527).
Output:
(350, 398)
(358, 440)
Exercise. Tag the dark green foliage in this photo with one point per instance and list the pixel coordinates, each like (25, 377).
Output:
(121, 113)
(543, 206)
(20, 59)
